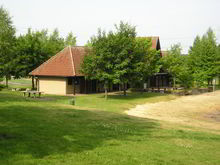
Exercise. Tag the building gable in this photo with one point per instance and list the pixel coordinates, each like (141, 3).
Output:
(66, 63)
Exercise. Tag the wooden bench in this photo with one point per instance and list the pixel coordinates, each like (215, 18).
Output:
(32, 92)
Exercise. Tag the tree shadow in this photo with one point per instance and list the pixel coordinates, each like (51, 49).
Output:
(42, 131)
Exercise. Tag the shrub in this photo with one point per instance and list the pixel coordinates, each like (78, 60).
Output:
(72, 101)
(2, 86)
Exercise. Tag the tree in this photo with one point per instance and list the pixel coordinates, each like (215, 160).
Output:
(217, 64)
(171, 63)
(124, 58)
(148, 62)
(70, 40)
(177, 66)
(118, 58)
(55, 42)
(34, 48)
(184, 76)
(112, 56)
(204, 58)
(31, 51)
(7, 44)
(97, 64)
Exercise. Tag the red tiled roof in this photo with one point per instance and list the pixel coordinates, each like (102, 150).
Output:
(66, 63)
(155, 41)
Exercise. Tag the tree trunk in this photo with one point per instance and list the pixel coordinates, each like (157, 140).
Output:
(32, 77)
(174, 82)
(124, 90)
(119, 86)
(106, 93)
(6, 81)
(106, 90)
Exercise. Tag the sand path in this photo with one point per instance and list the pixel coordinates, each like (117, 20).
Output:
(198, 110)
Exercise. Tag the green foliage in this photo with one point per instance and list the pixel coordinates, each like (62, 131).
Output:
(88, 44)
(112, 55)
(7, 44)
(204, 58)
(118, 57)
(34, 48)
(184, 76)
(55, 42)
(70, 40)
(177, 66)
(217, 62)
(148, 62)
(2, 86)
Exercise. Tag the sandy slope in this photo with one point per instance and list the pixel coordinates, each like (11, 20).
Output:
(198, 110)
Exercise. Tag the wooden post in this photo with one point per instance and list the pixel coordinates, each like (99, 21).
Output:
(174, 82)
(106, 89)
(32, 77)
(6, 81)
(36, 82)
(124, 89)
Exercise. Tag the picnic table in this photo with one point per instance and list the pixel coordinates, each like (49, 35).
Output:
(32, 92)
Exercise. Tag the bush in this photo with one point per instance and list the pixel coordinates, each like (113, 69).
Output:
(72, 101)
(2, 86)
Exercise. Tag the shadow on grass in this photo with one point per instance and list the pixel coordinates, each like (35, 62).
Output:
(43, 131)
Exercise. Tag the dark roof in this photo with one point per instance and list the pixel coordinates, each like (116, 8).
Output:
(66, 63)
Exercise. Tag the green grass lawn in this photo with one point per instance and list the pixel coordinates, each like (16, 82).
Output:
(116, 102)
(49, 131)
(19, 83)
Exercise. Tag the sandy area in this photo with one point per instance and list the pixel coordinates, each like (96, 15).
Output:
(199, 110)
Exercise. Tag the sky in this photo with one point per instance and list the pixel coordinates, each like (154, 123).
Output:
(174, 21)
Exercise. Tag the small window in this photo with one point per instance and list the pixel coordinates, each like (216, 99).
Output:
(70, 80)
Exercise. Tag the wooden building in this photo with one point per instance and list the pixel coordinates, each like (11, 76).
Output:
(61, 73)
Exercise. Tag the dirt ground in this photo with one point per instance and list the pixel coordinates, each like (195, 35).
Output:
(201, 111)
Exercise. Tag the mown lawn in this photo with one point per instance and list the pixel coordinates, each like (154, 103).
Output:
(49, 131)
(19, 83)
(116, 102)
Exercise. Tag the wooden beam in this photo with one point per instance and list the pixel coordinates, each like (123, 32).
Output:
(32, 78)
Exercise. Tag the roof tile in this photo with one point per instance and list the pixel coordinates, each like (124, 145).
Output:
(66, 63)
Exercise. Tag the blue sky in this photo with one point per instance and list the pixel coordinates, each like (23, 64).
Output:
(172, 20)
